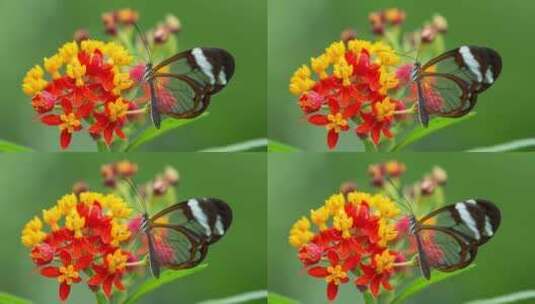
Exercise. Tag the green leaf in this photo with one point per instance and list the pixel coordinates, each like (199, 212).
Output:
(436, 124)
(419, 284)
(515, 145)
(275, 146)
(166, 277)
(259, 144)
(101, 298)
(6, 146)
(6, 298)
(509, 298)
(274, 298)
(151, 132)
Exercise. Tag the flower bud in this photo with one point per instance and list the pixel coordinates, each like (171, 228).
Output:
(428, 34)
(126, 168)
(80, 187)
(173, 24)
(395, 168)
(110, 23)
(440, 24)
(127, 16)
(161, 35)
(439, 175)
(81, 35)
(159, 186)
(427, 186)
(108, 175)
(395, 16)
(42, 254)
(348, 187)
(171, 175)
(348, 35)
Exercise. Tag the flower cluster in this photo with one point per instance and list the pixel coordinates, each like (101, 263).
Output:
(364, 238)
(85, 84)
(366, 86)
(83, 235)
(352, 236)
(351, 84)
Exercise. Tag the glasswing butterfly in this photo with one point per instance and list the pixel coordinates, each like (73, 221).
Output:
(449, 84)
(447, 239)
(181, 86)
(178, 236)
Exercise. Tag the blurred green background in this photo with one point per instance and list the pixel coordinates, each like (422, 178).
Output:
(301, 29)
(300, 182)
(236, 264)
(33, 29)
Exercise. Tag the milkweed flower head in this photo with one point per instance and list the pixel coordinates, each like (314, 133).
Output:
(362, 238)
(92, 237)
(346, 88)
(89, 85)
(363, 86)
(78, 235)
(81, 87)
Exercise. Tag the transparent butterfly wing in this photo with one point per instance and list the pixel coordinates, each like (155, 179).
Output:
(179, 96)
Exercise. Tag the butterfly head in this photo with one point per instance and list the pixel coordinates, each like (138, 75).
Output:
(415, 73)
(412, 224)
(148, 73)
(145, 223)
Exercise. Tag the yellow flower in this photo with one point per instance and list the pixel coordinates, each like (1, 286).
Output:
(336, 274)
(68, 51)
(384, 261)
(320, 65)
(117, 54)
(119, 233)
(320, 217)
(32, 233)
(52, 216)
(301, 81)
(75, 223)
(89, 198)
(357, 198)
(67, 203)
(68, 274)
(356, 46)
(122, 81)
(300, 233)
(117, 109)
(117, 207)
(76, 70)
(385, 206)
(384, 109)
(33, 82)
(335, 203)
(53, 64)
(387, 232)
(336, 51)
(385, 53)
(342, 70)
(343, 223)
(116, 261)
(89, 46)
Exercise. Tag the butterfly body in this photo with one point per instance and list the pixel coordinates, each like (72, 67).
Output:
(449, 84)
(448, 238)
(182, 85)
(178, 237)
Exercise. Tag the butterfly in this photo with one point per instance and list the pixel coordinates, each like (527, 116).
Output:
(449, 84)
(448, 238)
(182, 85)
(178, 237)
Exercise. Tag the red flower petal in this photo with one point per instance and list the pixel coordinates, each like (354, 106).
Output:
(64, 291)
(107, 286)
(352, 110)
(51, 120)
(65, 139)
(376, 134)
(108, 135)
(333, 257)
(333, 105)
(84, 262)
(351, 263)
(374, 286)
(332, 291)
(318, 272)
(66, 105)
(318, 119)
(332, 139)
(50, 272)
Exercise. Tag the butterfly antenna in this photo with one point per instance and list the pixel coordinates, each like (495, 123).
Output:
(143, 40)
(139, 198)
(401, 195)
